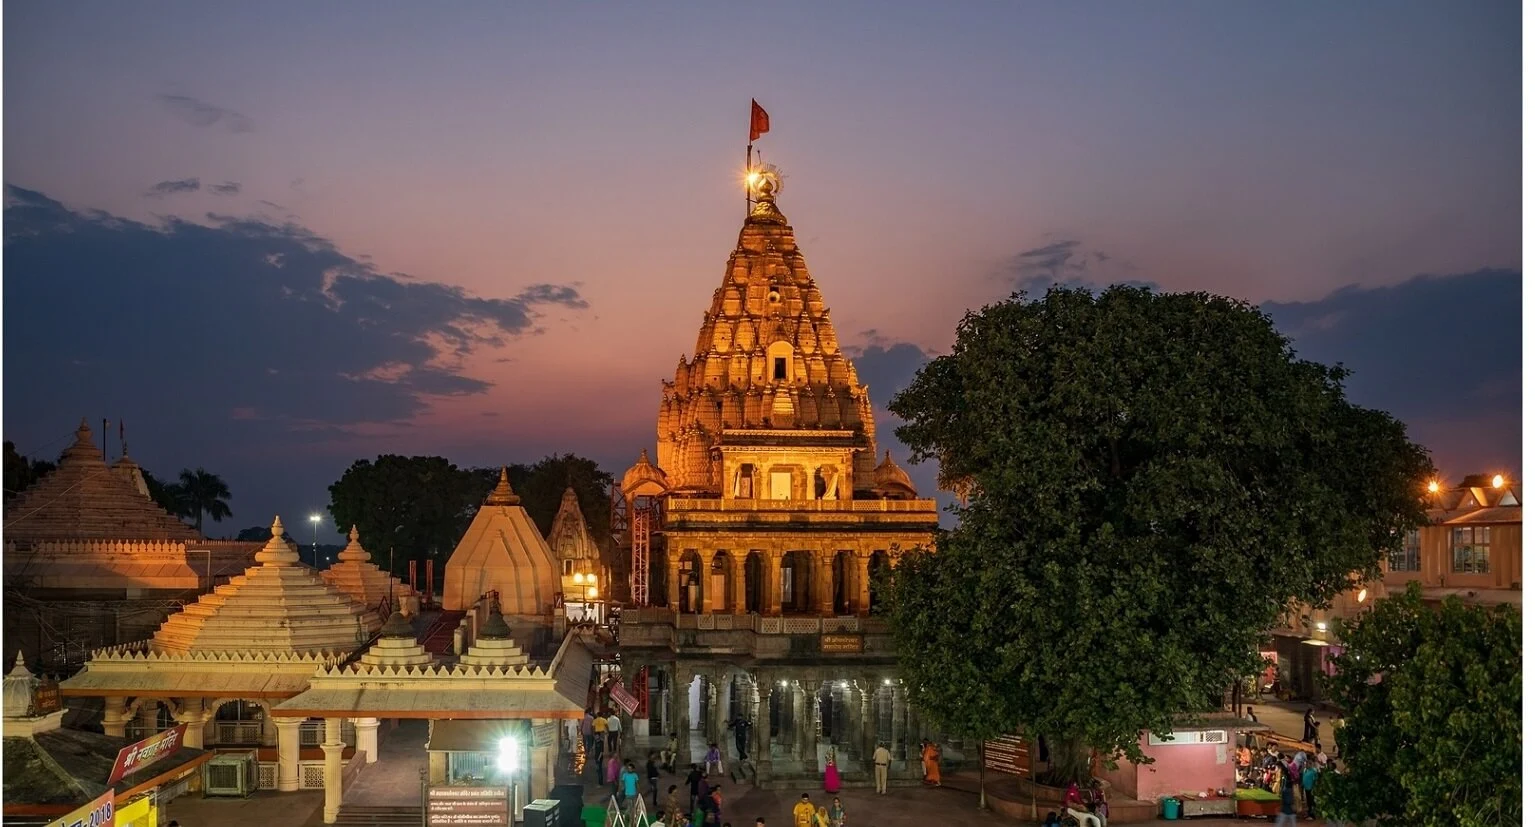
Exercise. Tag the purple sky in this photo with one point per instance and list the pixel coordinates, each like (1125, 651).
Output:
(277, 237)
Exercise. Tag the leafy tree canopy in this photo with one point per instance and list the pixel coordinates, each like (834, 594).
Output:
(1151, 479)
(22, 471)
(1429, 702)
(422, 505)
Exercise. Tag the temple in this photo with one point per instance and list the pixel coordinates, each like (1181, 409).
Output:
(91, 561)
(761, 525)
(584, 576)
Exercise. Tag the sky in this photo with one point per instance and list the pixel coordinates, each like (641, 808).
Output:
(271, 239)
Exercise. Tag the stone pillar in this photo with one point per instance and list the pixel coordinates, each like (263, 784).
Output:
(869, 712)
(773, 560)
(738, 581)
(761, 747)
(149, 718)
(681, 720)
(115, 721)
(706, 584)
(367, 738)
(861, 580)
(857, 712)
(898, 722)
(823, 583)
(287, 753)
(722, 713)
(913, 736)
(810, 689)
(332, 748)
(541, 759)
(193, 716)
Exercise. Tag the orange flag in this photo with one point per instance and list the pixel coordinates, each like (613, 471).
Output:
(759, 120)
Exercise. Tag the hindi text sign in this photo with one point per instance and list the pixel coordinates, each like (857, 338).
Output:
(844, 644)
(453, 806)
(141, 754)
(1008, 754)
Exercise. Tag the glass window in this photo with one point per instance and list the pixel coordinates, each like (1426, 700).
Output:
(1409, 556)
(1470, 549)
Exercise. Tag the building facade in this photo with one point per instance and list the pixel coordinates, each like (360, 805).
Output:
(1469, 549)
(764, 520)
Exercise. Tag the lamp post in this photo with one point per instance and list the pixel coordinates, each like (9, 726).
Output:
(314, 541)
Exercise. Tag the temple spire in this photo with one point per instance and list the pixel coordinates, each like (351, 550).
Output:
(503, 494)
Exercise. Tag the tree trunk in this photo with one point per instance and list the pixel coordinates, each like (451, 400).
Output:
(1072, 761)
(983, 774)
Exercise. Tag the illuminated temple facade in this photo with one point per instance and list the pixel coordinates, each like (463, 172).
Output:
(764, 517)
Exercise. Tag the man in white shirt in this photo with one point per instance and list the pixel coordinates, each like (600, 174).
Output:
(613, 731)
(881, 769)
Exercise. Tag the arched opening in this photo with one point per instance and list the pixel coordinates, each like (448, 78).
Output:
(690, 593)
(879, 575)
(756, 586)
(148, 716)
(844, 583)
(721, 582)
(798, 573)
(238, 722)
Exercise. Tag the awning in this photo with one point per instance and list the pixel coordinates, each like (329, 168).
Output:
(424, 700)
(181, 680)
(475, 736)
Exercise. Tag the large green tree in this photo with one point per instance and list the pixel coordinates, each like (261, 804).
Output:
(1429, 702)
(1152, 478)
(22, 471)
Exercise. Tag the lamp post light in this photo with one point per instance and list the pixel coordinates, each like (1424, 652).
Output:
(314, 541)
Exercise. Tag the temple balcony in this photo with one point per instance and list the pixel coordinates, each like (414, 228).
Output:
(764, 638)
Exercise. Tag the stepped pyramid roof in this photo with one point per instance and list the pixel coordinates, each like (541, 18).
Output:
(767, 357)
(502, 551)
(396, 646)
(277, 605)
(356, 576)
(85, 499)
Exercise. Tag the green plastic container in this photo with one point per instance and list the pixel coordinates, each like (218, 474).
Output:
(1170, 809)
(593, 816)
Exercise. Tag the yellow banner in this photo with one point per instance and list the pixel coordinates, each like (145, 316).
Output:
(98, 813)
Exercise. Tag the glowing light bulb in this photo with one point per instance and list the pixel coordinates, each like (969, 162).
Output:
(1497, 480)
(1433, 486)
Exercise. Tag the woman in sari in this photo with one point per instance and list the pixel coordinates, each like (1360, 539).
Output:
(832, 780)
(930, 763)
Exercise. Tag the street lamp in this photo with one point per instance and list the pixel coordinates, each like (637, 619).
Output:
(314, 542)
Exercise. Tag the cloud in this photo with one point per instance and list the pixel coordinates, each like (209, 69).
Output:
(201, 113)
(226, 188)
(1441, 353)
(165, 188)
(1067, 263)
(292, 339)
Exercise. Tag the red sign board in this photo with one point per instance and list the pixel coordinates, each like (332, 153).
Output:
(1007, 754)
(455, 806)
(621, 696)
(141, 754)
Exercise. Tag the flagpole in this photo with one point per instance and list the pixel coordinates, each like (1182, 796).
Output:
(748, 178)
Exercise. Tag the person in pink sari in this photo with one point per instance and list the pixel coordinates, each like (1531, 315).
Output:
(832, 781)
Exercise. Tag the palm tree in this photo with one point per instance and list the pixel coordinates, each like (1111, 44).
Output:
(205, 493)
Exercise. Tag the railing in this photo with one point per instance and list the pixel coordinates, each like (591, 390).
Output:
(762, 625)
(312, 733)
(233, 733)
(680, 504)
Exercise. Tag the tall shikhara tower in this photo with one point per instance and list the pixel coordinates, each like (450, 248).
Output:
(767, 359)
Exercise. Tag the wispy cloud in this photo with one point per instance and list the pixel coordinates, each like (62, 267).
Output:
(201, 113)
(175, 187)
(226, 188)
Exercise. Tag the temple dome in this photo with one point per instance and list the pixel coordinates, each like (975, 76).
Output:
(891, 480)
(275, 606)
(356, 576)
(502, 551)
(20, 684)
(644, 478)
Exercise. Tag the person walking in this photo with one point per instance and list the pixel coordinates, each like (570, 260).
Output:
(692, 784)
(930, 756)
(615, 728)
(804, 811)
(653, 778)
(630, 781)
(831, 779)
(881, 770)
(614, 769)
(1286, 802)
(1309, 725)
(742, 729)
(586, 732)
(1307, 786)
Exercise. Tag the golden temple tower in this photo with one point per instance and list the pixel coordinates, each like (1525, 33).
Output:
(771, 518)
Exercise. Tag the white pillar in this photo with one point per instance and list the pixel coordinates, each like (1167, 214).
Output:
(115, 721)
(332, 749)
(541, 757)
(193, 716)
(367, 738)
(287, 753)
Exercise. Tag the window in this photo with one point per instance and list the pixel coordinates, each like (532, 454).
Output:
(570, 567)
(1469, 549)
(780, 369)
(780, 485)
(1409, 556)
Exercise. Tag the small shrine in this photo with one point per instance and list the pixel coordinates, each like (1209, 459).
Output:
(502, 552)
(355, 575)
(584, 578)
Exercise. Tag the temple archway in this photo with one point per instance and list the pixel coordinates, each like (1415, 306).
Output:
(721, 583)
(689, 582)
(756, 585)
(798, 573)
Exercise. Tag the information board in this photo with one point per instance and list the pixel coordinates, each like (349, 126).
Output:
(1007, 754)
(141, 754)
(453, 806)
(845, 644)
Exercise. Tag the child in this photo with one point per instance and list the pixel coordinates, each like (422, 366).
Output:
(713, 761)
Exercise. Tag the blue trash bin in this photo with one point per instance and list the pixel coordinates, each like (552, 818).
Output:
(1170, 809)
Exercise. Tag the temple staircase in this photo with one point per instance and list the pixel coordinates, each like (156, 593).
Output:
(438, 638)
(398, 816)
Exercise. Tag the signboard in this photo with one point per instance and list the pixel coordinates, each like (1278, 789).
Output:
(621, 696)
(1008, 754)
(98, 813)
(842, 644)
(46, 699)
(141, 754)
(467, 807)
(140, 811)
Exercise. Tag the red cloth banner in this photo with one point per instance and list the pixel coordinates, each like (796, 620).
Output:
(759, 120)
